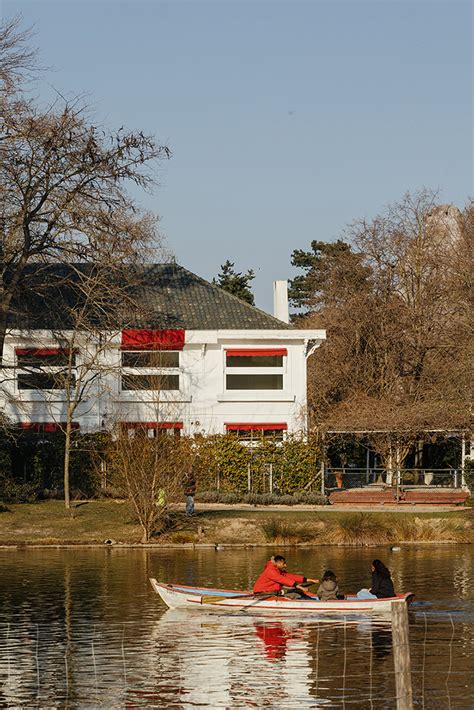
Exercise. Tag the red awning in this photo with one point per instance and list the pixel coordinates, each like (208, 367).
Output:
(152, 425)
(256, 427)
(267, 352)
(41, 351)
(46, 427)
(152, 339)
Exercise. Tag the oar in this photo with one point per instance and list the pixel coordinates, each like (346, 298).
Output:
(212, 599)
(216, 600)
(244, 607)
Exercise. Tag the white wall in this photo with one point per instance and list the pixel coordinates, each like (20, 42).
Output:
(203, 405)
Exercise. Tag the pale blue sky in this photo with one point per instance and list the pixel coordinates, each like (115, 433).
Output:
(286, 119)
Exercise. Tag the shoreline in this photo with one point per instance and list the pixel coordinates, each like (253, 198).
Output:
(112, 523)
(212, 546)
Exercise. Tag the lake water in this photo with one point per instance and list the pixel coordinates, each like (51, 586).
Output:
(84, 629)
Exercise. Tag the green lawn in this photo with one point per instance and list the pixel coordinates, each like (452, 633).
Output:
(86, 522)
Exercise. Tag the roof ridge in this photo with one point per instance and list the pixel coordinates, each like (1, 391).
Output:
(174, 297)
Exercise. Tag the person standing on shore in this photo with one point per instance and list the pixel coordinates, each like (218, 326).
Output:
(190, 491)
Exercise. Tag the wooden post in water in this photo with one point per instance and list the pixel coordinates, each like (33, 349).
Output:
(401, 656)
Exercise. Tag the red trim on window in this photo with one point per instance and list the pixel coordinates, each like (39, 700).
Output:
(256, 353)
(152, 339)
(41, 351)
(46, 427)
(152, 425)
(256, 427)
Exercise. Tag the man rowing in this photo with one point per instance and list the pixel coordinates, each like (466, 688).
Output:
(275, 578)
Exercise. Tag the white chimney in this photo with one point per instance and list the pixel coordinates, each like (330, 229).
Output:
(280, 300)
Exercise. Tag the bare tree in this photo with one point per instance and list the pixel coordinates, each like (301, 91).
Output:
(149, 472)
(397, 354)
(84, 308)
(63, 193)
(93, 300)
(17, 58)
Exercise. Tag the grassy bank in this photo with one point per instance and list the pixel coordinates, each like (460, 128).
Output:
(93, 522)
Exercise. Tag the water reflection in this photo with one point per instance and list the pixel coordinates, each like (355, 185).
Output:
(236, 660)
(82, 629)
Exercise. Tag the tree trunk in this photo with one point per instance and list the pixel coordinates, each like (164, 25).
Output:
(67, 453)
(4, 311)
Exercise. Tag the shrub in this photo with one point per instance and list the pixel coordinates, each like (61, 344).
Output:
(469, 474)
(110, 492)
(230, 498)
(208, 497)
(307, 497)
(286, 500)
(12, 491)
(268, 499)
(254, 498)
(311, 498)
(295, 463)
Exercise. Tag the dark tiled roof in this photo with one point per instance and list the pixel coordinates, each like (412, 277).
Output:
(173, 297)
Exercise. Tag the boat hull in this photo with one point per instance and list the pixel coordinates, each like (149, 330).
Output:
(181, 597)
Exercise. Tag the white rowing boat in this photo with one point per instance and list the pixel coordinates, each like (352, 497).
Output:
(177, 596)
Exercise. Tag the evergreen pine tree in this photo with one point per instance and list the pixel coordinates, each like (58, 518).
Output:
(235, 282)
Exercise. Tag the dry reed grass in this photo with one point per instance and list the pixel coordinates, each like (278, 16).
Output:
(368, 529)
(289, 532)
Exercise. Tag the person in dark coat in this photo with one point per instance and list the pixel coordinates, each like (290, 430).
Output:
(382, 585)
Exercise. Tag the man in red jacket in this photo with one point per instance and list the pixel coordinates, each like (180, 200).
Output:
(275, 577)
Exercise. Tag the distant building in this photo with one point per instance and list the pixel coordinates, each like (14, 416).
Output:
(203, 362)
(444, 225)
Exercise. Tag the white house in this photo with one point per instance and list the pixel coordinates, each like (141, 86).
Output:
(204, 362)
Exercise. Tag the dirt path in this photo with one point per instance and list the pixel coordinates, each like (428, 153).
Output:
(346, 508)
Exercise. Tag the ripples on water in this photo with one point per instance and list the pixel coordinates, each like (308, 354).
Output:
(83, 629)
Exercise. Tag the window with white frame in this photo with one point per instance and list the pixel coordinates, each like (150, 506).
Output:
(152, 370)
(44, 368)
(255, 369)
